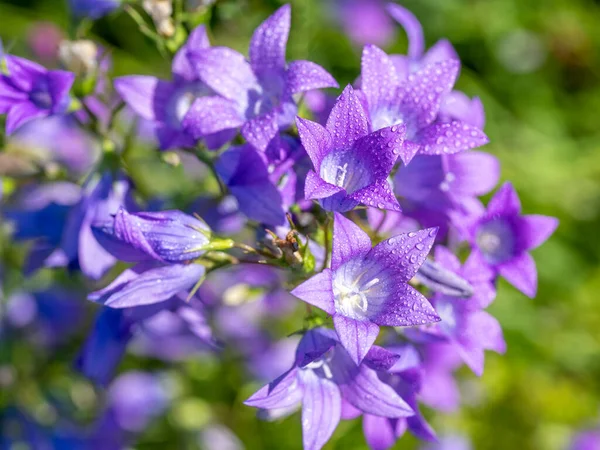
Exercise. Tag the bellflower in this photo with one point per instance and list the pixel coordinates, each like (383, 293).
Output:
(415, 102)
(28, 91)
(501, 238)
(351, 165)
(166, 236)
(367, 287)
(245, 173)
(256, 95)
(323, 376)
(167, 103)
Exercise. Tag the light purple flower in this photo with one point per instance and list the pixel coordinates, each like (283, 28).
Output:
(321, 377)
(166, 236)
(415, 102)
(367, 287)
(256, 95)
(28, 91)
(501, 238)
(351, 165)
(168, 103)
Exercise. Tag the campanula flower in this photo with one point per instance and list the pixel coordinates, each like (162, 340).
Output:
(256, 95)
(415, 102)
(368, 286)
(351, 166)
(323, 376)
(166, 236)
(28, 91)
(167, 103)
(502, 237)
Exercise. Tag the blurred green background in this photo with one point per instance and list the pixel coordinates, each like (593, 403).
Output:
(536, 66)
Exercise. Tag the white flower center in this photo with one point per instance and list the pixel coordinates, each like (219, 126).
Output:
(351, 300)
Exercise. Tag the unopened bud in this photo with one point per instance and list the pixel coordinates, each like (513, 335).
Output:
(161, 12)
(80, 57)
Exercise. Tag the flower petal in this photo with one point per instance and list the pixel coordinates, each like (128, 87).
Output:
(407, 307)
(380, 359)
(378, 76)
(521, 273)
(356, 336)
(317, 291)
(284, 392)
(505, 201)
(534, 230)
(267, 47)
(473, 173)
(260, 130)
(316, 140)
(348, 120)
(302, 76)
(349, 241)
(315, 188)
(210, 115)
(378, 195)
(321, 410)
(59, 85)
(380, 432)
(449, 137)
(138, 91)
(22, 113)
(413, 28)
(182, 67)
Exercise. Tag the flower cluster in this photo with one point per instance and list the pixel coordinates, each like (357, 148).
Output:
(369, 212)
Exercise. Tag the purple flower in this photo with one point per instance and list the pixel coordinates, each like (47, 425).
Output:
(322, 377)
(365, 21)
(93, 9)
(586, 440)
(166, 236)
(167, 103)
(256, 95)
(351, 165)
(415, 102)
(367, 287)
(147, 283)
(501, 238)
(28, 91)
(245, 173)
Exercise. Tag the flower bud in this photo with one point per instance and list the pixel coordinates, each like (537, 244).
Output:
(161, 12)
(79, 57)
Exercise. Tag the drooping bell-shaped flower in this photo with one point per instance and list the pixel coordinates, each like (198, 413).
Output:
(368, 286)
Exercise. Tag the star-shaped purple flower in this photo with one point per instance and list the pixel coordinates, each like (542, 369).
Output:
(367, 287)
(322, 378)
(256, 95)
(167, 103)
(28, 91)
(351, 165)
(415, 102)
(501, 238)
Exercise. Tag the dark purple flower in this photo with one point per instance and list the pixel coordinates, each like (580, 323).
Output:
(368, 286)
(244, 171)
(501, 238)
(147, 283)
(167, 103)
(94, 9)
(28, 91)
(321, 377)
(351, 165)
(166, 236)
(415, 102)
(256, 95)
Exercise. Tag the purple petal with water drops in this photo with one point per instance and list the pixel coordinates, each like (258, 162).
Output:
(505, 202)
(22, 113)
(380, 359)
(356, 336)
(413, 28)
(139, 91)
(521, 273)
(442, 50)
(284, 392)
(423, 91)
(458, 106)
(209, 115)
(378, 76)
(315, 188)
(182, 67)
(380, 150)
(380, 432)
(406, 307)
(534, 230)
(268, 43)
(405, 252)
(378, 195)
(472, 173)
(316, 140)
(449, 137)
(226, 71)
(146, 284)
(349, 241)
(321, 410)
(302, 76)
(317, 291)
(347, 121)
(260, 130)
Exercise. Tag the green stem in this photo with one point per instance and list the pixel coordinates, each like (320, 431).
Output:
(207, 159)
